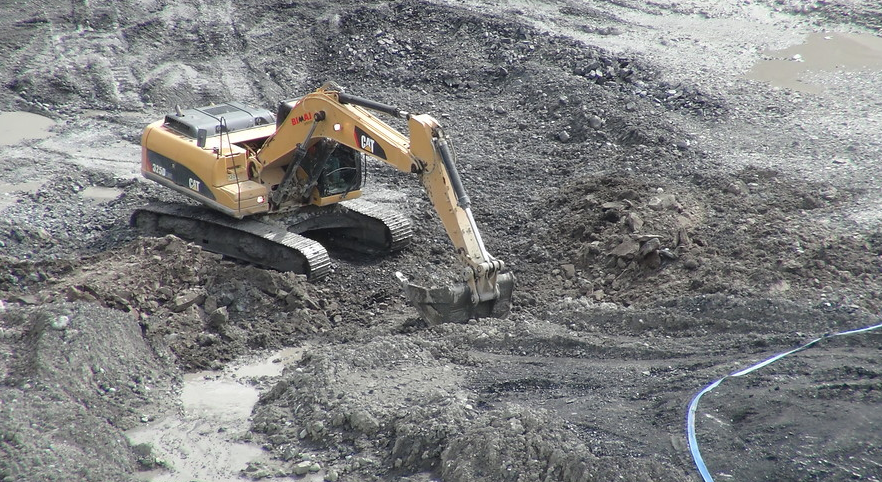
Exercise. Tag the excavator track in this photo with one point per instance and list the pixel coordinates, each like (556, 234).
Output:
(252, 241)
(356, 225)
(399, 229)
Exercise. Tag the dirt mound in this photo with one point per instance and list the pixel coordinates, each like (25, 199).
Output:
(68, 366)
(206, 309)
(397, 407)
(752, 234)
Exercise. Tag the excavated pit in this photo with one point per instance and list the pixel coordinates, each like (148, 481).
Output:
(670, 215)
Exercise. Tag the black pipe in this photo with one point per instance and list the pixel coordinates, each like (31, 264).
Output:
(462, 199)
(370, 104)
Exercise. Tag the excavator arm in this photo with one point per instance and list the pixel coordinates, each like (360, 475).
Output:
(332, 114)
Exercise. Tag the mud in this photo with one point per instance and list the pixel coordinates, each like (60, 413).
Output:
(671, 213)
(207, 438)
(826, 52)
(16, 127)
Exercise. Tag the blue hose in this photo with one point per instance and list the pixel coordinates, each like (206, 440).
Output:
(693, 405)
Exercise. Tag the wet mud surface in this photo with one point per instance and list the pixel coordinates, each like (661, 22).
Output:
(672, 216)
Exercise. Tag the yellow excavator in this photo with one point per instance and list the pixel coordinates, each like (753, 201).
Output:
(265, 182)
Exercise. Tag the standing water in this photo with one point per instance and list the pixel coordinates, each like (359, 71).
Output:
(821, 52)
(204, 440)
(16, 127)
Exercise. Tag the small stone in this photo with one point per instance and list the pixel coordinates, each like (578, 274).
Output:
(613, 205)
(682, 238)
(650, 246)
(364, 422)
(829, 193)
(738, 188)
(664, 202)
(779, 287)
(500, 110)
(219, 318)
(652, 260)
(210, 304)
(315, 467)
(668, 254)
(60, 323)
(595, 122)
(26, 299)
(634, 222)
(187, 300)
(563, 136)
(302, 468)
(332, 475)
(691, 263)
(569, 271)
(626, 249)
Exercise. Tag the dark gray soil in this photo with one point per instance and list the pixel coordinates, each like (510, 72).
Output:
(669, 222)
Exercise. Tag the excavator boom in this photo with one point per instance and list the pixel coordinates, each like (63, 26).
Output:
(330, 113)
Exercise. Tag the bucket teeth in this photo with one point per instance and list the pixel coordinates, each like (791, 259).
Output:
(454, 303)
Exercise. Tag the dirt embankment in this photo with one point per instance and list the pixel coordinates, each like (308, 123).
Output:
(659, 237)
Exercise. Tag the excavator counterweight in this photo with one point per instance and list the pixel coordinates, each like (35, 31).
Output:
(272, 185)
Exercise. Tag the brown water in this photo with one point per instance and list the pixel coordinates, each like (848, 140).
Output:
(9, 193)
(821, 52)
(202, 442)
(16, 127)
(99, 194)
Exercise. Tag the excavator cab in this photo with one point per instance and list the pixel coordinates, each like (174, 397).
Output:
(343, 172)
(331, 172)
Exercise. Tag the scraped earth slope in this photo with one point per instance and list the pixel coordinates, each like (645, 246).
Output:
(645, 203)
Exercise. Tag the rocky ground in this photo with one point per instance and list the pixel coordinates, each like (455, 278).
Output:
(669, 220)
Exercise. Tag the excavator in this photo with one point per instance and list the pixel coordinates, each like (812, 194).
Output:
(270, 189)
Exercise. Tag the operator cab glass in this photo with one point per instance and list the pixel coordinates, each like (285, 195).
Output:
(343, 172)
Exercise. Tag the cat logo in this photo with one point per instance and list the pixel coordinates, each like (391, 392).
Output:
(368, 144)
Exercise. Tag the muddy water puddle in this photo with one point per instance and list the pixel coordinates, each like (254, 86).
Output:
(9, 192)
(204, 441)
(16, 127)
(821, 52)
(99, 194)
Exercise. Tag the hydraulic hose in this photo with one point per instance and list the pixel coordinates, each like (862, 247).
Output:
(462, 199)
(693, 405)
(371, 104)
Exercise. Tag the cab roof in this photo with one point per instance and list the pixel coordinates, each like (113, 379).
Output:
(235, 116)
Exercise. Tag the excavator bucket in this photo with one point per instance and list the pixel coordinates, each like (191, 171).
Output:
(454, 304)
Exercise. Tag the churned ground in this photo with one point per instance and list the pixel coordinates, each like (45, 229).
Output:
(682, 189)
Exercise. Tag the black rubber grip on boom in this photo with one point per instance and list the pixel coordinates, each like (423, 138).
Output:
(370, 104)
(462, 199)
